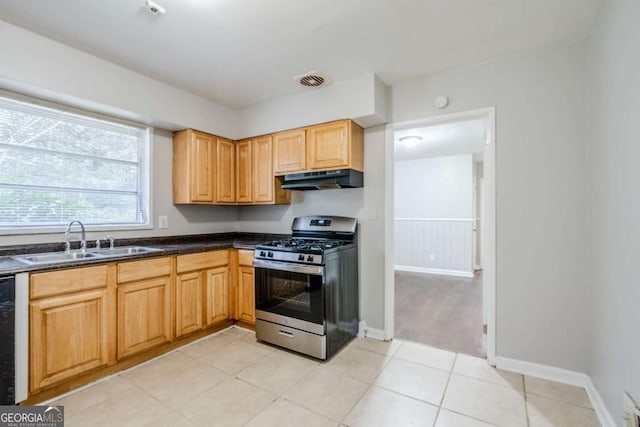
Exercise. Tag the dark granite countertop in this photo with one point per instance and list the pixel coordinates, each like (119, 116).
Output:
(168, 245)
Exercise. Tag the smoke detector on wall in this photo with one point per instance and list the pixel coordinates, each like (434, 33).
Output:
(154, 8)
(312, 79)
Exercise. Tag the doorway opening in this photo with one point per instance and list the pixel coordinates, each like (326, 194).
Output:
(440, 232)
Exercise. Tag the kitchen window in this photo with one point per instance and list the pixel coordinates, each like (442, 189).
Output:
(57, 165)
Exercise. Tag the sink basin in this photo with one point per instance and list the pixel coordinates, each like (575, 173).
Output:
(61, 257)
(54, 257)
(123, 251)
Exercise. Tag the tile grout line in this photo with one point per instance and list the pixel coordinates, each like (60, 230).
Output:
(555, 399)
(259, 412)
(369, 384)
(444, 392)
(526, 406)
(341, 422)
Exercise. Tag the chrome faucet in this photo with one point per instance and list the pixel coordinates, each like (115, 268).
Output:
(109, 239)
(83, 242)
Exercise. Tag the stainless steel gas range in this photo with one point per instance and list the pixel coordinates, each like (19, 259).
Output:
(307, 286)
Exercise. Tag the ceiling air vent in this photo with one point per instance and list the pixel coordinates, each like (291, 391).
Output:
(311, 79)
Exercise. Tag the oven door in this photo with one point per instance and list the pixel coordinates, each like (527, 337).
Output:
(291, 294)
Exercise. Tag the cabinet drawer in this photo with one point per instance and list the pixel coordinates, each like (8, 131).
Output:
(144, 269)
(202, 260)
(245, 257)
(68, 281)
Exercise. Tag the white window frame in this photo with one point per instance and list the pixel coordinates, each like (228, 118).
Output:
(144, 176)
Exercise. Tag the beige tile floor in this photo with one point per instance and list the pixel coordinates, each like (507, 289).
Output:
(231, 380)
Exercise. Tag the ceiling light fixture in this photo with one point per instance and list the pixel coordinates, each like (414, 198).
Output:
(410, 140)
(154, 8)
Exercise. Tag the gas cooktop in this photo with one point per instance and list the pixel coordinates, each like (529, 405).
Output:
(302, 245)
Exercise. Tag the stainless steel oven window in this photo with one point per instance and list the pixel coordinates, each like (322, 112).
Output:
(296, 295)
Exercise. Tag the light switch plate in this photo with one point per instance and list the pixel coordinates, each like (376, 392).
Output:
(163, 221)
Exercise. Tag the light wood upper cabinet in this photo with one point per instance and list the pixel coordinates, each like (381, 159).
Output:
(213, 170)
(225, 171)
(144, 305)
(188, 303)
(193, 167)
(267, 188)
(73, 333)
(217, 295)
(289, 151)
(244, 171)
(263, 179)
(335, 145)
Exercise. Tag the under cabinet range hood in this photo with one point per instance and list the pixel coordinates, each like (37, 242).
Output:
(323, 180)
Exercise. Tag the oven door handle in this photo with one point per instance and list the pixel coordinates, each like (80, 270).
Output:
(286, 266)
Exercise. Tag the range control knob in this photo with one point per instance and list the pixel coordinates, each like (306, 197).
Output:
(310, 258)
(262, 253)
(300, 257)
(270, 254)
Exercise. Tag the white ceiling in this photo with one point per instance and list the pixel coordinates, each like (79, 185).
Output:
(448, 139)
(241, 52)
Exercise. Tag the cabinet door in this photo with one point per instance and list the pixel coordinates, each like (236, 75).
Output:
(201, 158)
(243, 171)
(217, 295)
(328, 146)
(263, 179)
(144, 315)
(188, 303)
(69, 336)
(289, 152)
(225, 171)
(246, 297)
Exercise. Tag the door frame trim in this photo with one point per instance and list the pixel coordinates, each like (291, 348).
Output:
(489, 221)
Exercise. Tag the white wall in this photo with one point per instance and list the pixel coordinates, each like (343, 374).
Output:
(429, 193)
(366, 204)
(613, 108)
(37, 66)
(362, 99)
(438, 187)
(182, 219)
(540, 196)
(540, 172)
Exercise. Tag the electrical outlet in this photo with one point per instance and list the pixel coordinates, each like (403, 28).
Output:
(163, 221)
(631, 411)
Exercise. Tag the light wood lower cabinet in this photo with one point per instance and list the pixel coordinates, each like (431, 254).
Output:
(188, 303)
(217, 295)
(246, 300)
(144, 315)
(90, 318)
(202, 290)
(246, 311)
(70, 334)
(144, 305)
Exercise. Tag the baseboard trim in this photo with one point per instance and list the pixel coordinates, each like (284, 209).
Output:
(605, 417)
(376, 334)
(456, 273)
(560, 375)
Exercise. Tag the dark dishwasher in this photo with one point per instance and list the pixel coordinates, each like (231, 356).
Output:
(7, 340)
